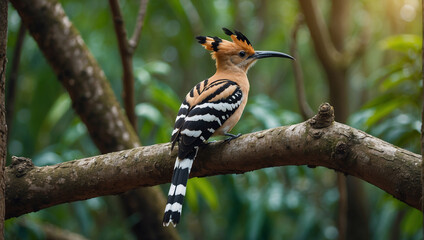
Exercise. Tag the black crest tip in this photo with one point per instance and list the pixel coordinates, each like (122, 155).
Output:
(217, 39)
(227, 31)
(215, 44)
(241, 37)
(201, 39)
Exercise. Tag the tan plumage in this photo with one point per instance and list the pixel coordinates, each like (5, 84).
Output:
(210, 88)
(212, 107)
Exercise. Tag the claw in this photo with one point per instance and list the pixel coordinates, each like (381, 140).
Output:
(231, 136)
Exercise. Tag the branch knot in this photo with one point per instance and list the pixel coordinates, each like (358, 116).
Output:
(324, 118)
(21, 165)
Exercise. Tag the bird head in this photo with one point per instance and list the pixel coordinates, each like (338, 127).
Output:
(237, 53)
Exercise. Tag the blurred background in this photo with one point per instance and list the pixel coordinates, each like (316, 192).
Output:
(383, 97)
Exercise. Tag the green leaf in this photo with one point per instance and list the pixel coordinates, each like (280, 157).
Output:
(394, 80)
(206, 190)
(164, 95)
(402, 43)
(142, 75)
(383, 110)
(413, 221)
(59, 108)
(74, 133)
(191, 196)
(158, 67)
(288, 117)
(148, 111)
(358, 119)
(266, 117)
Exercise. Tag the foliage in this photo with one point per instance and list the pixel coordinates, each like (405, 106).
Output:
(393, 114)
(276, 203)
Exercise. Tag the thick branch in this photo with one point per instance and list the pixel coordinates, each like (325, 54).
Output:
(337, 146)
(339, 23)
(92, 97)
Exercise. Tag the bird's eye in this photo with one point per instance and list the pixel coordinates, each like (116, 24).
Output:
(242, 53)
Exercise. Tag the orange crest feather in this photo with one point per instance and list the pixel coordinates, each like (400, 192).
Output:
(216, 44)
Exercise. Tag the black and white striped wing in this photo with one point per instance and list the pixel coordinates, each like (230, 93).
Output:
(193, 126)
(206, 117)
(179, 121)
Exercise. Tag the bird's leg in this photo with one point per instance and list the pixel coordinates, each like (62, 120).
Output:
(231, 136)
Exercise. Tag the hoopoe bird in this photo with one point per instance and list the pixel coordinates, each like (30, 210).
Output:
(212, 107)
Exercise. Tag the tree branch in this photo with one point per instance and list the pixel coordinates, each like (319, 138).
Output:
(304, 107)
(339, 23)
(78, 71)
(135, 39)
(126, 51)
(126, 60)
(316, 142)
(324, 47)
(357, 47)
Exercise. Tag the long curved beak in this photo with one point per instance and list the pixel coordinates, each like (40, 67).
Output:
(267, 54)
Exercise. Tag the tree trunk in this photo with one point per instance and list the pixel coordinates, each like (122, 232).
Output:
(92, 97)
(3, 125)
(422, 126)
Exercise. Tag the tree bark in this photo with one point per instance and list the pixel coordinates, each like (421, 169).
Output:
(422, 125)
(3, 125)
(92, 97)
(339, 147)
(78, 71)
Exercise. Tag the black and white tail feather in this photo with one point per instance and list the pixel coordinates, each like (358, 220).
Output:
(177, 189)
(195, 124)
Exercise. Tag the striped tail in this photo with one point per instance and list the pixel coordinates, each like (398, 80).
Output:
(177, 189)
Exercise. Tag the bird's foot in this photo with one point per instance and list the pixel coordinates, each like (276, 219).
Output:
(231, 137)
(205, 143)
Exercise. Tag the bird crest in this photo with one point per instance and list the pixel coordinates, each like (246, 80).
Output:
(218, 45)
